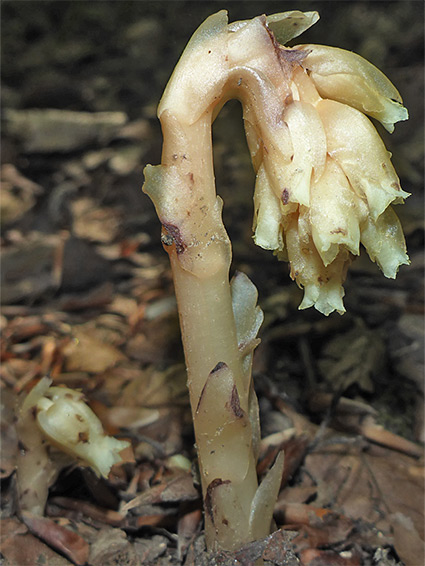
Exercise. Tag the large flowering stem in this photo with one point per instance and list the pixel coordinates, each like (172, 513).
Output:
(300, 152)
(219, 322)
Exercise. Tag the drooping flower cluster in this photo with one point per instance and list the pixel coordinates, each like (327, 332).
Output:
(325, 181)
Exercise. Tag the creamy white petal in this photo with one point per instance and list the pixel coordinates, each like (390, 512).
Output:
(322, 285)
(309, 153)
(356, 146)
(384, 242)
(346, 77)
(267, 214)
(335, 214)
(288, 25)
(69, 424)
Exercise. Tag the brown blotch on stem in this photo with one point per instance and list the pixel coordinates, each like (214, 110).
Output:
(293, 57)
(235, 404)
(208, 501)
(218, 367)
(171, 234)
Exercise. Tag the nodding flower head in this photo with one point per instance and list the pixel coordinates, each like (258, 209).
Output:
(325, 181)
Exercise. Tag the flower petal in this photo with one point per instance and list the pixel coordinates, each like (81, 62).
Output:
(322, 285)
(68, 423)
(335, 214)
(384, 242)
(356, 146)
(346, 77)
(288, 25)
(309, 154)
(267, 227)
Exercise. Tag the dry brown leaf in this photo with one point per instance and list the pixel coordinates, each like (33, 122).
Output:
(85, 352)
(96, 297)
(188, 526)
(74, 508)
(314, 557)
(18, 194)
(94, 222)
(365, 487)
(177, 488)
(19, 547)
(353, 357)
(407, 540)
(112, 546)
(67, 542)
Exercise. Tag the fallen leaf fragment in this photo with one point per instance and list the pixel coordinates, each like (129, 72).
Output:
(178, 488)
(19, 194)
(315, 557)
(111, 546)
(94, 222)
(378, 491)
(54, 130)
(67, 542)
(94, 512)
(407, 540)
(276, 549)
(188, 527)
(20, 547)
(87, 353)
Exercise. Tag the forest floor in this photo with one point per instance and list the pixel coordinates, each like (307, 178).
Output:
(88, 299)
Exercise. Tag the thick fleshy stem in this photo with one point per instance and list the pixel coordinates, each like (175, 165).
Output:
(219, 320)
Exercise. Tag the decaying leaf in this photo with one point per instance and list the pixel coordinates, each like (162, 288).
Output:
(61, 538)
(364, 486)
(86, 352)
(354, 357)
(53, 130)
(19, 546)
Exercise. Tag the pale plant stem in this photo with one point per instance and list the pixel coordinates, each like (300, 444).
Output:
(207, 324)
(207, 327)
(209, 338)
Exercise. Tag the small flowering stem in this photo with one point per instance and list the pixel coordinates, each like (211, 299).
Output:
(55, 427)
(314, 202)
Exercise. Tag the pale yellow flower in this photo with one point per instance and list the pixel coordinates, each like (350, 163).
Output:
(327, 185)
(325, 182)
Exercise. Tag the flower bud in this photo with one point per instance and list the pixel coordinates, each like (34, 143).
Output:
(69, 424)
